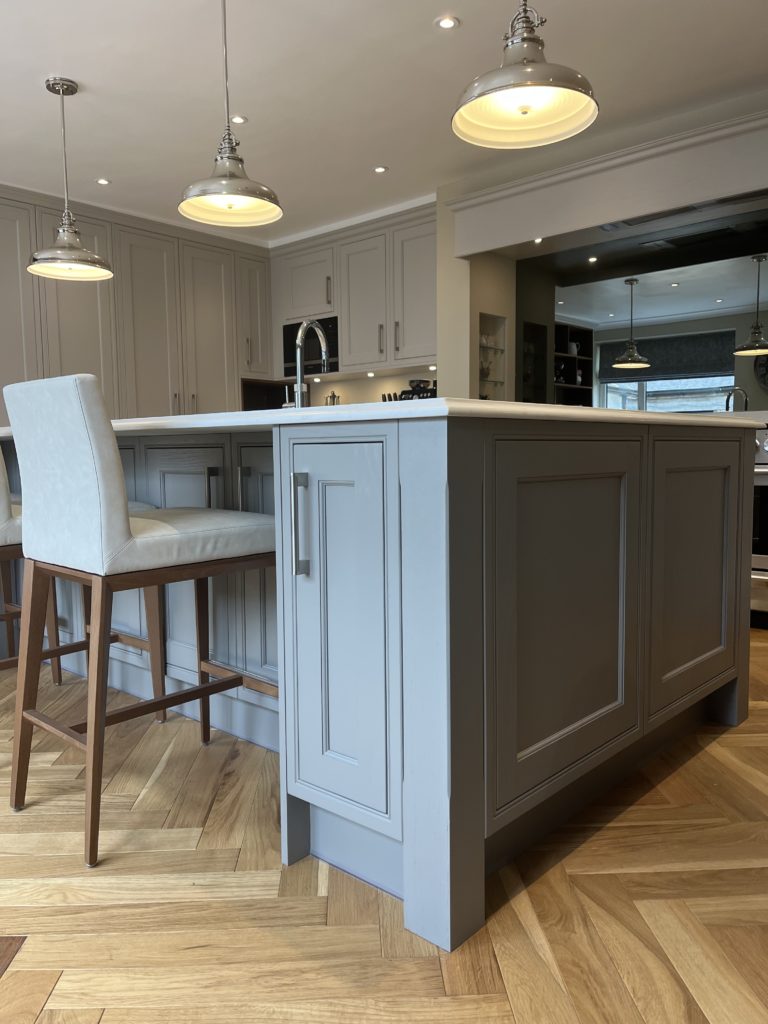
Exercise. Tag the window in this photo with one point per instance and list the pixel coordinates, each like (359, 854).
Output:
(688, 394)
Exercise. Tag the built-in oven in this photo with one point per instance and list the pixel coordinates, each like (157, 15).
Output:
(312, 352)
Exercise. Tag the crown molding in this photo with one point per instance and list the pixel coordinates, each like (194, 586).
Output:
(383, 213)
(679, 142)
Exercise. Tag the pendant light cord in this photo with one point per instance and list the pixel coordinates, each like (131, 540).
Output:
(67, 215)
(757, 307)
(631, 314)
(226, 65)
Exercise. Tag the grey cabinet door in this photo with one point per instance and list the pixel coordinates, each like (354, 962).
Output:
(190, 477)
(147, 295)
(253, 341)
(343, 719)
(693, 566)
(364, 321)
(306, 284)
(208, 329)
(414, 293)
(563, 604)
(21, 358)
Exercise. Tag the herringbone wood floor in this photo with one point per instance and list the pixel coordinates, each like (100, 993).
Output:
(649, 908)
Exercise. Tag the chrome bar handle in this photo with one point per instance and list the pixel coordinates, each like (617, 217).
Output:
(397, 335)
(249, 360)
(300, 565)
(210, 473)
(241, 472)
(194, 402)
(329, 290)
(381, 339)
(176, 407)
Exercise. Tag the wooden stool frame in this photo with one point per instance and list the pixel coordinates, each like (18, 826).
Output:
(89, 735)
(11, 612)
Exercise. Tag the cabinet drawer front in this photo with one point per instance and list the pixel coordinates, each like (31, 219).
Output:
(344, 701)
(564, 599)
(694, 560)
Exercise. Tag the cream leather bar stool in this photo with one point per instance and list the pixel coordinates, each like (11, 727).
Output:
(77, 527)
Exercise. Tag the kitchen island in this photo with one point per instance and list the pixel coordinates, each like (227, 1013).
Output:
(481, 613)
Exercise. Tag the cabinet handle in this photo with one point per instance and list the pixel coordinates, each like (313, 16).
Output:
(249, 358)
(300, 565)
(194, 403)
(381, 339)
(328, 291)
(241, 472)
(397, 335)
(210, 473)
(176, 409)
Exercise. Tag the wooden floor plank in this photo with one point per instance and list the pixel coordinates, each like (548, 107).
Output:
(351, 901)
(167, 862)
(9, 947)
(165, 783)
(231, 807)
(191, 807)
(260, 848)
(472, 969)
(23, 994)
(747, 948)
(42, 844)
(70, 1017)
(396, 941)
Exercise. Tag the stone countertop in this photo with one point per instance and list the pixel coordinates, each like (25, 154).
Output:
(432, 408)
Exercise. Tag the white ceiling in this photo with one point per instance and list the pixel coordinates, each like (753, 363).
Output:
(330, 90)
(699, 288)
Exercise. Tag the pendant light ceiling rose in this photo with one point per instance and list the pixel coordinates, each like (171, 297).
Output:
(756, 345)
(527, 101)
(630, 358)
(67, 259)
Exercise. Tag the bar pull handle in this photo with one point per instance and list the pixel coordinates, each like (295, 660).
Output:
(397, 335)
(242, 471)
(249, 357)
(194, 402)
(329, 290)
(300, 565)
(210, 473)
(176, 409)
(381, 339)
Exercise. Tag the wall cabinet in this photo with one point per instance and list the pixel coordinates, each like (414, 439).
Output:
(254, 348)
(414, 289)
(341, 621)
(21, 359)
(364, 326)
(306, 283)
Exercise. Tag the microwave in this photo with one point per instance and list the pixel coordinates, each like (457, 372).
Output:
(312, 352)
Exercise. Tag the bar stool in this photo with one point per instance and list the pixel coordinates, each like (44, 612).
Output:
(77, 527)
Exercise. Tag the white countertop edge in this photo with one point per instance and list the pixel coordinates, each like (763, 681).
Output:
(431, 408)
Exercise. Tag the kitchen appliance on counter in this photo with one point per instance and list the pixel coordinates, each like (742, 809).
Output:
(312, 353)
(417, 389)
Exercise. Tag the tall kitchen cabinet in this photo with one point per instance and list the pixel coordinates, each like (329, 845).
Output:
(254, 358)
(414, 293)
(364, 316)
(21, 356)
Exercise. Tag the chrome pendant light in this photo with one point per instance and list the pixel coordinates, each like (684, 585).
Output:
(757, 345)
(630, 358)
(67, 259)
(229, 198)
(527, 101)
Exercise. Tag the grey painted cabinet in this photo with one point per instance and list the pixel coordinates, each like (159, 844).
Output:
(78, 321)
(694, 564)
(21, 358)
(208, 329)
(254, 348)
(305, 284)
(414, 292)
(564, 598)
(341, 627)
(147, 289)
(364, 321)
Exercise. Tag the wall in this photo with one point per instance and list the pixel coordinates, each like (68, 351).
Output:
(536, 304)
(365, 389)
(454, 352)
(492, 289)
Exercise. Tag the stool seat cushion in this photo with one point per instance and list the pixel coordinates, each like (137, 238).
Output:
(10, 530)
(180, 536)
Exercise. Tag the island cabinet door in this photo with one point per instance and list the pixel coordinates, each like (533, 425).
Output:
(342, 639)
(693, 568)
(563, 541)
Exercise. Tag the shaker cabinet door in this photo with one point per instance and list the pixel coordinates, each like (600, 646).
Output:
(693, 567)
(306, 284)
(21, 357)
(342, 667)
(363, 319)
(415, 293)
(253, 341)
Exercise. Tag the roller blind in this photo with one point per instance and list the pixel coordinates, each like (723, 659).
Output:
(672, 357)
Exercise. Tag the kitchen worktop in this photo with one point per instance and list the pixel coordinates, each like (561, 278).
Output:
(424, 409)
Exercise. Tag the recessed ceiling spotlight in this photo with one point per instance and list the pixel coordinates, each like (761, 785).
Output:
(561, 302)
(371, 373)
(538, 241)
(103, 181)
(447, 21)
(718, 300)
(675, 284)
(239, 119)
(316, 380)
(611, 314)
(380, 169)
(432, 369)
(592, 259)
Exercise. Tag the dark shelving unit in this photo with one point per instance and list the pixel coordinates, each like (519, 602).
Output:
(574, 365)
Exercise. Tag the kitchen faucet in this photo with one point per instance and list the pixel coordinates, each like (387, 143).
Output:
(301, 387)
(730, 395)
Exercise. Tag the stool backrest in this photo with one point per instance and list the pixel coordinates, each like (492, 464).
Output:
(75, 503)
(5, 492)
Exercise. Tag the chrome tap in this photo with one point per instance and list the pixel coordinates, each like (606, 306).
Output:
(730, 395)
(301, 387)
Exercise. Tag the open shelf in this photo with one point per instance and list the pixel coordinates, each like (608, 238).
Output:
(492, 355)
(573, 364)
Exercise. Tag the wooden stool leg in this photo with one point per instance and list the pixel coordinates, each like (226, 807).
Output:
(101, 624)
(7, 588)
(52, 629)
(154, 605)
(203, 653)
(33, 607)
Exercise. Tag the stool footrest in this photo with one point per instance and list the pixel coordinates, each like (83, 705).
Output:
(56, 728)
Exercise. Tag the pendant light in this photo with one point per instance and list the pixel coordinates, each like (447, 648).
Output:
(67, 259)
(757, 345)
(527, 101)
(630, 358)
(229, 198)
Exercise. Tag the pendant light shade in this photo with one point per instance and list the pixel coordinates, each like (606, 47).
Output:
(756, 345)
(527, 101)
(67, 259)
(229, 198)
(630, 358)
